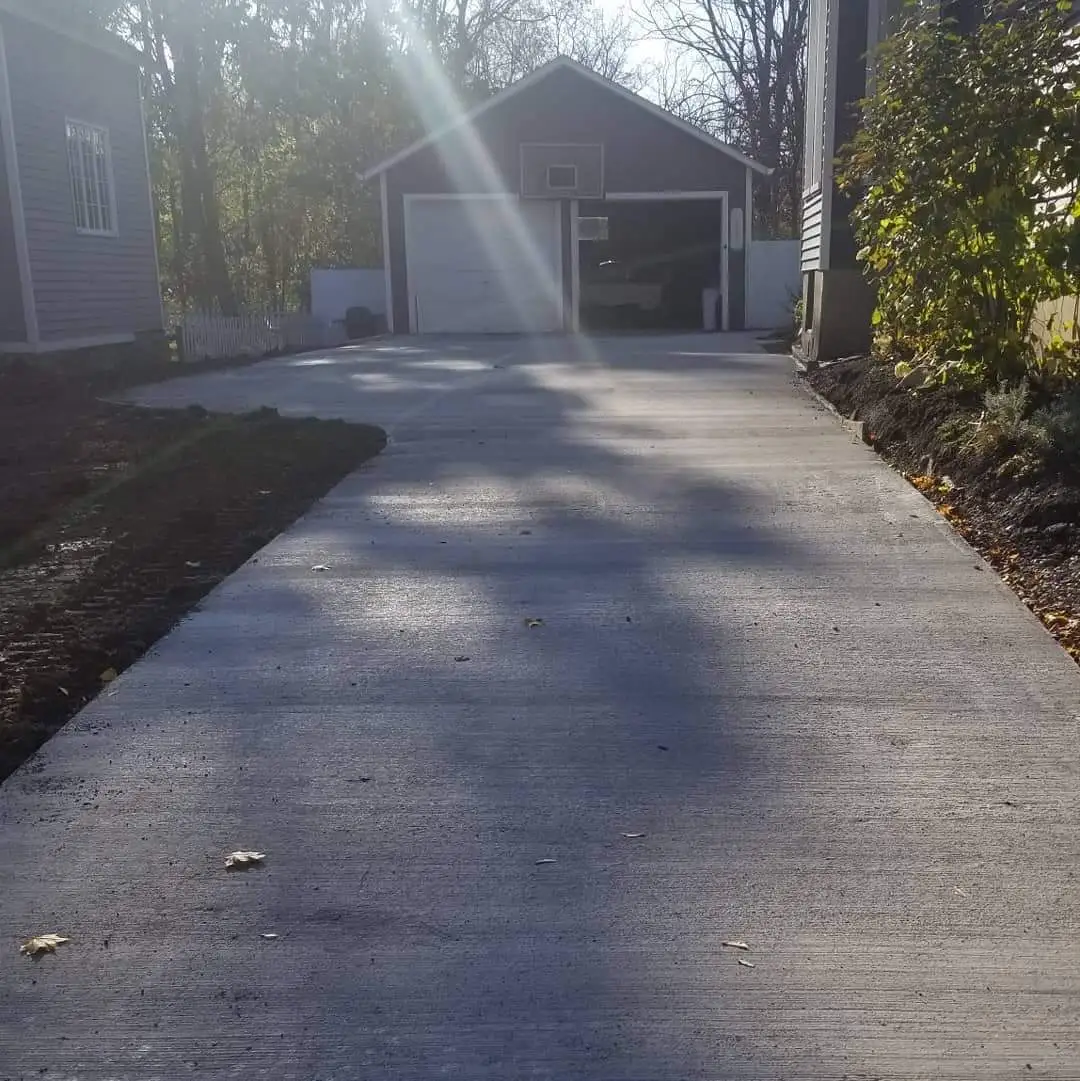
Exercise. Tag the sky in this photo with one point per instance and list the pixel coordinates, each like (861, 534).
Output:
(644, 50)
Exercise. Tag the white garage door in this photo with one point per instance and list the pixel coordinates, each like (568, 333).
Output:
(483, 266)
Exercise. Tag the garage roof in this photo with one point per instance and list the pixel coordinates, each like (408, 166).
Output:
(541, 73)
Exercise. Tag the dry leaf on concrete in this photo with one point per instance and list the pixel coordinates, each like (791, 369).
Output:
(320, 567)
(633, 836)
(534, 623)
(42, 944)
(540, 863)
(736, 945)
(268, 935)
(747, 964)
(237, 861)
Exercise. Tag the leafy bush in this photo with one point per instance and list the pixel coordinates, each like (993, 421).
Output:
(960, 149)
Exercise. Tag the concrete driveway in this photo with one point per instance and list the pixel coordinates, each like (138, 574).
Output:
(773, 700)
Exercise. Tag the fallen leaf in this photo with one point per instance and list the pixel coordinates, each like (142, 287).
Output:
(320, 567)
(736, 945)
(540, 863)
(265, 491)
(42, 944)
(239, 860)
(958, 890)
(461, 660)
(534, 623)
(109, 675)
(746, 964)
(268, 935)
(633, 836)
(194, 564)
(65, 692)
(923, 483)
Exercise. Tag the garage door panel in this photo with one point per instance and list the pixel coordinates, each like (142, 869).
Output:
(484, 266)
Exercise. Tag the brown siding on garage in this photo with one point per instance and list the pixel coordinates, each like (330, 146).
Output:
(642, 153)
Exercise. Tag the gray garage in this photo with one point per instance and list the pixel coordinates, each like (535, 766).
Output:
(565, 203)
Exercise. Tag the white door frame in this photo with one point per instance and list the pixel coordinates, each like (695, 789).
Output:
(671, 197)
(575, 266)
(415, 197)
(388, 263)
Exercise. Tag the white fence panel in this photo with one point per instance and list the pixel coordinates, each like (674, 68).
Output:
(774, 283)
(220, 337)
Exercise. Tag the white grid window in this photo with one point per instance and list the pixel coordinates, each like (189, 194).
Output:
(91, 179)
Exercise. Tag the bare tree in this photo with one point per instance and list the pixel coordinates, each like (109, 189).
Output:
(752, 83)
(487, 44)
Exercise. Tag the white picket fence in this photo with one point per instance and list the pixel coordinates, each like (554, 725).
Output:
(218, 337)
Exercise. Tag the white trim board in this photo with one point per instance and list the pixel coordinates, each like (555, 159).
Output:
(748, 242)
(388, 265)
(150, 196)
(833, 41)
(575, 266)
(61, 345)
(558, 64)
(18, 213)
(663, 196)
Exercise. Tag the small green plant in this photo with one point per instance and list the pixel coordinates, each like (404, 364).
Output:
(1003, 433)
(1019, 439)
(1059, 423)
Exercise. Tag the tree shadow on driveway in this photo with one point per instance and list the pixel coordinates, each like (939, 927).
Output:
(411, 754)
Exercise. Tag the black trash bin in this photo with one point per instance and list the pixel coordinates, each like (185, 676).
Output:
(359, 323)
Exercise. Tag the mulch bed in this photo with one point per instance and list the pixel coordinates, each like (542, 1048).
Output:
(115, 521)
(1028, 529)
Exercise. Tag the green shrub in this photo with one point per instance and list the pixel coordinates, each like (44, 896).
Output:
(959, 150)
(1017, 438)
(1060, 424)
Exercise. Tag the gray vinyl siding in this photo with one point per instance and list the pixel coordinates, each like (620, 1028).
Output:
(818, 168)
(810, 235)
(12, 317)
(84, 286)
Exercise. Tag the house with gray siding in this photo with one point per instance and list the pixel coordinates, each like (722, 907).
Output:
(78, 252)
(566, 202)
